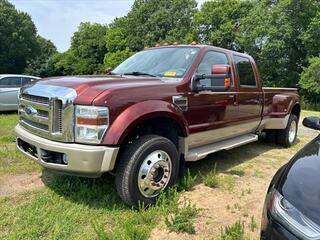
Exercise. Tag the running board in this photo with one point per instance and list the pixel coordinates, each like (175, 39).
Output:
(198, 153)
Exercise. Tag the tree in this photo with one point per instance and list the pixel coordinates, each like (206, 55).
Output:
(89, 42)
(311, 36)
(116, 36)
(86, 54)
(39, 65)
(218, 22)
(310, 78)
(271, 32)
(18, 42)
(113, 59)
(150, 22)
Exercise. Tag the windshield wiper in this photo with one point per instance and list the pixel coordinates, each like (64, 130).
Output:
(139, 74)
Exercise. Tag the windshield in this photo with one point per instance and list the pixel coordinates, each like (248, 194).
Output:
(162, 62)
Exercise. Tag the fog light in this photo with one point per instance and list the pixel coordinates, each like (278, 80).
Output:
(64, 159)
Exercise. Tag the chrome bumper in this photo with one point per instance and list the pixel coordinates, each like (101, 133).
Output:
(84, 160)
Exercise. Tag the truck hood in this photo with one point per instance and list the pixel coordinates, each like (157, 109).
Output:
(90, 87)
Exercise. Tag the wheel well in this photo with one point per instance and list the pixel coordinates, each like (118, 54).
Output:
(161, 126)
(296, 110)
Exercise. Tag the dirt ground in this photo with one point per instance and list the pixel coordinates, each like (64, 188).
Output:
(12, 184)
(219, 207)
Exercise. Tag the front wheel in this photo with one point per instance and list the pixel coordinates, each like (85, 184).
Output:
(147, 167)
(288, 136)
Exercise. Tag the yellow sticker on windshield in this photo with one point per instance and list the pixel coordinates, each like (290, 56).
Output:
(170, 74)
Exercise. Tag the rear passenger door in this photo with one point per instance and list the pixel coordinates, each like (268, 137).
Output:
(250, 94)
(9, 90)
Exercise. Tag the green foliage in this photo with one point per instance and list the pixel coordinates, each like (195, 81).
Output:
(38, 66)
(310, 77)
(311, 36)
(116, 36)
(85, 55)
(218, 22)
(280, 35)
(113, 59)
(271, 32)
(187, 182)
(213, 180)
(89, 42)
(18, 42)
(182, 219)
(233, 232)
(150, 22)
(253, 225)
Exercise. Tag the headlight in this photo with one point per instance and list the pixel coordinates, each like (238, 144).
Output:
(91, 123)
(290, 217)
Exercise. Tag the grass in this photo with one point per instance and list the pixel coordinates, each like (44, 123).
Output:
(253, 225)
(182, 219)
(306, 113)
(233, 232)
(213, 180)
(12, 161)
(187, 182)
(7, 123)
(78, 208)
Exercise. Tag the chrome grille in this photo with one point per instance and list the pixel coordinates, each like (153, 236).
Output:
(57, 113)
(33, 124)
(37, 99)
(47, 111)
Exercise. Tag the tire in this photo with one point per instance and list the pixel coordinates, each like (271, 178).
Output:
(271, 136)
(288, 136)
(148, 154)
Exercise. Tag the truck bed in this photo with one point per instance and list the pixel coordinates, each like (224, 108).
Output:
(280, 90)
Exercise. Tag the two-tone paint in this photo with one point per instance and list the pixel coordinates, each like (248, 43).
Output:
(132, 100)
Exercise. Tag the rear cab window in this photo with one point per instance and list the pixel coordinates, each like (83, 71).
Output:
(245, 72)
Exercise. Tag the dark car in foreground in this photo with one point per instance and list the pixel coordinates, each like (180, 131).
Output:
(292, 209)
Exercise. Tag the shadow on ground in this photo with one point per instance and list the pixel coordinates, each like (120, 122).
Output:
(101, 192)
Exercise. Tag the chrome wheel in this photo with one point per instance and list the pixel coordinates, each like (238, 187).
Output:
(292, 131)
(154, 173)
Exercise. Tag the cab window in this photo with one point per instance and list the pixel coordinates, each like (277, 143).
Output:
(245, 71)
(211, 58)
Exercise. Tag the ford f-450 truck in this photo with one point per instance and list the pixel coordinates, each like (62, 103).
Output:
(159, 108)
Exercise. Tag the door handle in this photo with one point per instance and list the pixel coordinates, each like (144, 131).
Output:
(234, 98)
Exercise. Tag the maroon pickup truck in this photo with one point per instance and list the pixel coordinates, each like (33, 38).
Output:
(157, 109)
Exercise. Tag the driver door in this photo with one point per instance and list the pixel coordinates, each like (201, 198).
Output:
(212, 115)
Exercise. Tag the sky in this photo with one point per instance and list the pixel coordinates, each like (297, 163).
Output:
(57, 20)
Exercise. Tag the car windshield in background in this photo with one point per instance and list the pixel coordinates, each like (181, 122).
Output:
(162, 62)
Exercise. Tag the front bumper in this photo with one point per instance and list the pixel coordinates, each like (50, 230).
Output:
(83, 160)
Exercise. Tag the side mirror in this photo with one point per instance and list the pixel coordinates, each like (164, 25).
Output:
(220, 69)
(312, 122)
(220, 79)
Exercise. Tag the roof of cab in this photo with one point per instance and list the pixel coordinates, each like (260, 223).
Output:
(199, 46)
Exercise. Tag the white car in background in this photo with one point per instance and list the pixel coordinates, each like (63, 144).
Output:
(9, 90)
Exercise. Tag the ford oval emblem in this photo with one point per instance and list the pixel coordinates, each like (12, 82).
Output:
(30, 110)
